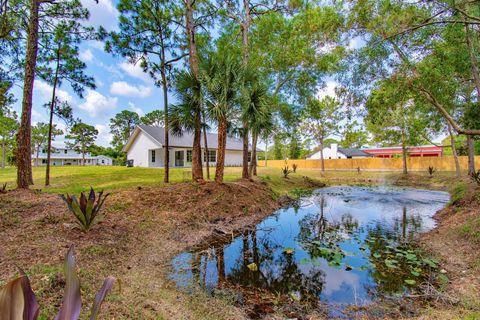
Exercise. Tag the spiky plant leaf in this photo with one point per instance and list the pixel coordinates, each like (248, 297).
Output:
(17, 300)
(72, 301)
(100, 296)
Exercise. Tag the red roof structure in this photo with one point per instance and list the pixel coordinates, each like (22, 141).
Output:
(416, 151)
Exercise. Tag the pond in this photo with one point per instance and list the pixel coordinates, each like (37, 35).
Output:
(338, 246)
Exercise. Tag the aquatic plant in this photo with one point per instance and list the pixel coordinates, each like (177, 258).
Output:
(18, 301)
(431, 170)
(87, 210)
(286, 171)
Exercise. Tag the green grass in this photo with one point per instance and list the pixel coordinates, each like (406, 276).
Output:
(458, 192)
(74, 179)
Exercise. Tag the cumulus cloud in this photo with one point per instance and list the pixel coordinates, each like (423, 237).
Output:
(45, 90)
(97, 104)
(124, 89)
(102, 14)
(86, 55)
(135, 71)
(104, 137)
(136, 109)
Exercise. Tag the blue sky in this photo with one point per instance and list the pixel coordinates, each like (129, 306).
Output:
(120, 85)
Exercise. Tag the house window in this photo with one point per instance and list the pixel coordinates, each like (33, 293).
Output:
(189, 155)
(212, 156)
(65, 151)
(44, 151)
(44, 161)
(249, 156)
(103, 161)
(153, 155)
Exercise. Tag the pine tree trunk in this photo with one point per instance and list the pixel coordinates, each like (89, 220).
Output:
(4, 149)
(471, 155)
(205, 142)
(321, 155)
(197, 171)
(50, 123)
(166, 158)
(404, 156)
(454, 151)
(253, 163)
(222, 143)
(245, 152)
(23, 151)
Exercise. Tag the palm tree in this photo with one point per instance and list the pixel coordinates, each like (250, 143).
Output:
(254, 106)
(261, 125)
(221, 75)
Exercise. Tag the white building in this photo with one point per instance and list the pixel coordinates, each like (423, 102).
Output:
(62, 156)
(145, 148)
(334, 152)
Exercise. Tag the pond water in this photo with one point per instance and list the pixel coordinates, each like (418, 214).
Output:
(339, 246)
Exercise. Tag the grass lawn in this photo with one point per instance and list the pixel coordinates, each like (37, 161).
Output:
(74, 179)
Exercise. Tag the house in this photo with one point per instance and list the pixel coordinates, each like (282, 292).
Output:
(62, 156)
(415, 151)
(334, 152)
(145, 148)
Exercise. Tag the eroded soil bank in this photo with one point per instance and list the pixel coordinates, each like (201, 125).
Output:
(143, 228)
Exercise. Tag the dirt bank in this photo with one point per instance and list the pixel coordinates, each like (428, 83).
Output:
(456, 243)
(144, 228)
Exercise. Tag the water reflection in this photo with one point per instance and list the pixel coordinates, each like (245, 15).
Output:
(323, 250)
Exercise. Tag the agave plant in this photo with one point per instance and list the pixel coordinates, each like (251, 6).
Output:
(3, 188)
(431, 170)
(87, 210)
(18, 301)
(476, 177)
(286, 171)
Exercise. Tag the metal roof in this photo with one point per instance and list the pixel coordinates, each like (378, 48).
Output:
(351, 152)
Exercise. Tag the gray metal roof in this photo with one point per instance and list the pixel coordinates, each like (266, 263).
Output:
(186, 139)
(351, 152)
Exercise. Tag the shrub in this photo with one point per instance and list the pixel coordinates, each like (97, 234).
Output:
(87, 211)
(286, 171)
(458, 193)
(294, 167)
(18, 300)
(431, 170)
(3, 189)
(476, 177)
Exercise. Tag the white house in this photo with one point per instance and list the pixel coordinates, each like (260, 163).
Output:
(62, 156)
(145, 148)
(334, 152)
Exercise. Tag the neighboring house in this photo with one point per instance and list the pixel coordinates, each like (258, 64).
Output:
(334, 152)
(63, 156)
(145, 148)
(415, 151)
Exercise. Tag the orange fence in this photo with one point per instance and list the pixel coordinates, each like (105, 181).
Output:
(445, 163)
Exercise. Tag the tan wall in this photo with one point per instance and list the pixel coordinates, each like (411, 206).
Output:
(445, 163)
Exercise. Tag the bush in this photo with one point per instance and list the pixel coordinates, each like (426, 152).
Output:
(458, 193)
(18, 300)
(431, 170)
(476, 177)
(294, 167)
(87, 211)
(3, 188)
(286, 171)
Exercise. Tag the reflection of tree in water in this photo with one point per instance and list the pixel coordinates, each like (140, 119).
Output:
(278, 273)
(316, 231)
(382, 240)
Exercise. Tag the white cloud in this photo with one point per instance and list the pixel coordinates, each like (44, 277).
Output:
(104, 137)
(102, 13)
(124, 89)
(45, 91)
(38, 117)
(97, 104)
(135, 71)
(86, 55)
(96, 44)
(327, 90)
(136, 109)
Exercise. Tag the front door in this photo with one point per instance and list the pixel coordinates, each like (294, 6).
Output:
(179, 158)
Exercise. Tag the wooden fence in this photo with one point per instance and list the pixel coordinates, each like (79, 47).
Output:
(445, 163)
